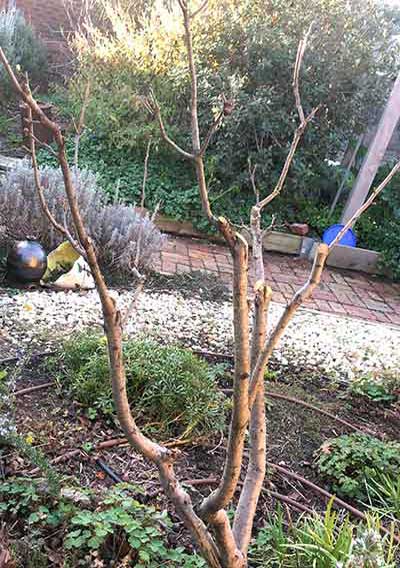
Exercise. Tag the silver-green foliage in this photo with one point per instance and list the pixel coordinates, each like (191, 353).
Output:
(115, 229)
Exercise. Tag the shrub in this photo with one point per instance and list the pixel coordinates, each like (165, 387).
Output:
(115, 229)
(21, 47)
(171, 388)
(243, 49)
(350, 461)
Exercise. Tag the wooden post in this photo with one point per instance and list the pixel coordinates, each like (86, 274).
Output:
(375, 154)
(347, 173)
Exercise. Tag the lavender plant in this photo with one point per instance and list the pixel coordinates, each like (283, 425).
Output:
(123, 237)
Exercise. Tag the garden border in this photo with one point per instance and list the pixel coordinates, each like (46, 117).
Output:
(358, 259)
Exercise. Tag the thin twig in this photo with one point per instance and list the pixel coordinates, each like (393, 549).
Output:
(199, 10)
(81, 123)
(296, 75)
(145, 174)
(365, 206)
(212, 130)
(151, 104)
(63, 229)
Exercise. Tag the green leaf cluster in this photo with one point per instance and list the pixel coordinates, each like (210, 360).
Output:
(111, 526)
(348, 462)
(170, 389)
(322, 541)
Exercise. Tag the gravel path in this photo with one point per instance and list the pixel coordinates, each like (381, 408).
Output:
(341, 346)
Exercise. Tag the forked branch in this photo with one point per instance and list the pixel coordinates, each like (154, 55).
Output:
(162, 457)
(303, 123)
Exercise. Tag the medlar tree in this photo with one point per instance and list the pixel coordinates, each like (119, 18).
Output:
(222, 544)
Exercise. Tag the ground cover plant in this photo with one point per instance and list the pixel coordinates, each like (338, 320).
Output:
(222, 537)
(352, 461)
(83, 500)
(92, 529)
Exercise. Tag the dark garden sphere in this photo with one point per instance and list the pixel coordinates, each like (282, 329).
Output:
(26, 261)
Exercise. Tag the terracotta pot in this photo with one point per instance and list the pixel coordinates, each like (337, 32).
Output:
(26, 261)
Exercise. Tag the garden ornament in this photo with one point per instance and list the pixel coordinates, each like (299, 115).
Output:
(78, 278)
(60, 260)
(26, 261)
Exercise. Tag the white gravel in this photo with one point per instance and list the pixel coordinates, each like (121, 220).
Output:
(340, 346)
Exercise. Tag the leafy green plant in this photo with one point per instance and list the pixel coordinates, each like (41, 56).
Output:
(323, 541)
(169, 387)
(121, 520)
(30, 500)
(384, 494)
(21, 46)
(383, 387)
(270, 548)
(112, 526)
(349, 461)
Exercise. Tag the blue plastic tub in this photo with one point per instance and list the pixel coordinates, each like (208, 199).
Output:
(349, 238)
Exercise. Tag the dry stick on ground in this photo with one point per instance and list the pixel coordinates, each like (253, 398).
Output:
(35, 388)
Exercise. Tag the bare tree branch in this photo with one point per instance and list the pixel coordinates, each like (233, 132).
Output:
(153, 107)
(296, 75)
(367, 204)
(222, 496)
(63, 229)
(199, 10)
(213, 129)
(298, 299)
(289, 159)
(81, 123)
(145, 174)
(304, 121)
(162, 457)
(252, 486)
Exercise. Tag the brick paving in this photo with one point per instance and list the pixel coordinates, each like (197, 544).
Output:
(343, 292)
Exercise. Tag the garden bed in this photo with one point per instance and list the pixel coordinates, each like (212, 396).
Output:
(69, 437)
